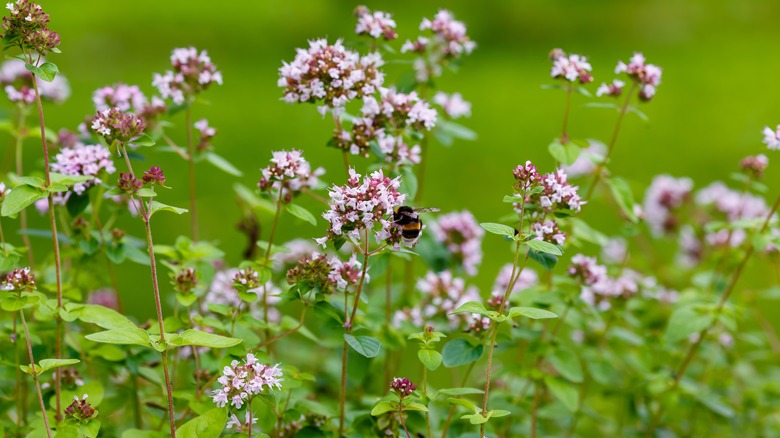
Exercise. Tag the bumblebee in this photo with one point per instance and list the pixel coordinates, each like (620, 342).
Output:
(406, 218)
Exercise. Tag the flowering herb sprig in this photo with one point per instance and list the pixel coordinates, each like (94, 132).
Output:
(400, 400)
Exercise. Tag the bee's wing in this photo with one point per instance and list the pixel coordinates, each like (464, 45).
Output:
(427, 210)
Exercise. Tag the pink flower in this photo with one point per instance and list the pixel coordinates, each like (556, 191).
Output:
(376, 24)
(570, 67)
(84, 160)
(242, 382)
(548, 232)
(127, 98)
(647, 76)
(527, 278)
(18, 85)
(665, 196)
(772, 137)
(290, 173)
(192, 73)
(614, 89)
(460, 233)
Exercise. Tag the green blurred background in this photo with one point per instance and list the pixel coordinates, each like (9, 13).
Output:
(720, 88)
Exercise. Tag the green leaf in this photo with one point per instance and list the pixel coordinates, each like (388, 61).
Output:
(531, 312)
(20, 198)
(301, 213)
(544, 247)
(222, 164)
(465, 403)
(497, 413)
(208, 425)
(68, 180)
(159, 206)
(458, 391)
(414, 406)
(126, 336)
(146, 192)
(382, 407)
(103, 317)
(456, 130)
(623, 196)
(547, 261)
(203, 339)
(685, 321)
(475, 418)
(364, 345)
(471, 307)
(459, 352)
(48, 364)
(76, 204)
(47, 71)
(500, 229)
(12, 302)
(566, 362)
(143, 140)
(409, 182)
(565, 392)
(564, 153)
(430, 358)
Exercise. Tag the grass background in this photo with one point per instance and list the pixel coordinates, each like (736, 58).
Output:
(719, 89)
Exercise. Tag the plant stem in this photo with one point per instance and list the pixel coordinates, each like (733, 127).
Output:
(452, 408)
(655, 418)
(425, 396)
(494, 328)
(612, 141)
(146, 217)
(564, 131)
(59, 332)
(249, 432)
(534, 410)
(35, 373)
(403, 423)
(19, 137)
(191, 164)
(285, 333)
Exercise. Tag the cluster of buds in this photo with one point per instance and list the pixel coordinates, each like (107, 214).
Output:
(246, 280)
(288, 175)
(154, 177)
(448, 42)
(206, 133)
(128, 183)
(313, 270)
(19, 280)
(646, 76)
(71, 377)
(359, 206)
(331, 74)
(526, 177)
(243, 381)
(614, 89)
(18, 84)
(570, 67)
(80, 410)
(345, 274)
(192, 73)
(403, 387)
(598, 289)
(28, 28)
(376, 24)
(460, 233)
(754, 165)
(663, 201)
(184, 281)
(115, 125)
(84, 160)
(478, 324)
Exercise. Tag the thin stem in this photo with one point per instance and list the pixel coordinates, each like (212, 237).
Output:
(249, 432)
(403, 423)
(452, 408)
(425, 396)
(35, 374)
(534, 410)
(19, 137)
(191, 164)
(612, 141)
(59, 332)
(146, 217)
(137, 402)
(2, 240)
(343, 393)
(284, 333)
(564, 131)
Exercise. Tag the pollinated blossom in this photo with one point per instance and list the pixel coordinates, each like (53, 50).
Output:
(80, 409)
(243, 381)
(402, 386)
(19, 280)
(442, 294)
(453, 104)
(359, 206)
(192, 73)
(17, 83)
(345, 274)
(84, 160)
(647, 76)
(28, 26)
(206, 133)
(548, 231)
(241, 426)
(115, 125)
(755, 165)
(570, 67)
(330, 74)
(460, 233)
(586, 162)
(527, 278)
(614, 89)
(772, 137)
(289, 173)
(376, 24)
(663, 200)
